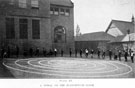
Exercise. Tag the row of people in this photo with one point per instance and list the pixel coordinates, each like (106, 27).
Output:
(100, 53)
(117, 54)
(31, 52)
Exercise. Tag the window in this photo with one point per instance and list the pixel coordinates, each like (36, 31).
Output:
(56, 11)
(35, 4)
(23, 24)
(59, 34)
(35, 29)
(22, 3)
(51, 10)
(67, 12)
(62, 12)
(10, 28)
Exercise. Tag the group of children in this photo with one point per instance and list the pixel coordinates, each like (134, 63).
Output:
(117, 54)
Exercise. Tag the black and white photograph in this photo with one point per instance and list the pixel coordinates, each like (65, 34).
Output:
(67, 41)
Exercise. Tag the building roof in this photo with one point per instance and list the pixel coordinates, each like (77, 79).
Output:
(124, 38)
(123, 26)
(62, 2)
(96, 36)
(130, 37)
(117, 39)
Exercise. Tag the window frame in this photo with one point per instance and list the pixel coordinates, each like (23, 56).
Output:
(22, 4)
(67, 12)
(57, 34)
(35, 6)
(10, 21)
(56, 11)
(23, 24)
(33, 31)
(62, 12)
(51, 10)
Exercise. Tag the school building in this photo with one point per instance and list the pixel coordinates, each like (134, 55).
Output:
(37, 23)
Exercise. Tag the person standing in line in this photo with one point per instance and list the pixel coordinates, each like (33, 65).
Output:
(125, 55)
(44, 52)
(70, 52)
(62, 52)
(98, 53)
(92, 52)
(25, 53)
(50, 52)
(130, 52)
(17, 51)
(55, 52)
(2, 53)
(110, 54)
(37, 52)
(132, 56)
(31, 52)
(119, 55)
(81, 52)
(115, 54)
(103, 54)
(75, 52)
(5, 54)
(8, 52)
(86, 53)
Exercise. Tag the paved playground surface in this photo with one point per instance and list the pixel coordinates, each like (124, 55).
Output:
(65, 67)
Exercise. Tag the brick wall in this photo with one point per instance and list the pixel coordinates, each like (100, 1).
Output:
(68, 23)
(47, 25)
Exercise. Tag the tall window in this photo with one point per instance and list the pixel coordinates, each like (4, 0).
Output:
(10, 28)
(23, 3)
(35, 4)
(59, 34)
(35, 29)
(23, 28)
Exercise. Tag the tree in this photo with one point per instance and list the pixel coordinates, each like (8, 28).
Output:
(78, 33)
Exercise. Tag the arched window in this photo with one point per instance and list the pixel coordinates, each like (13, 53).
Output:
(59, 34)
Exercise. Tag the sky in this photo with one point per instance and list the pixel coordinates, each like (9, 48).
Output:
(96, 15)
